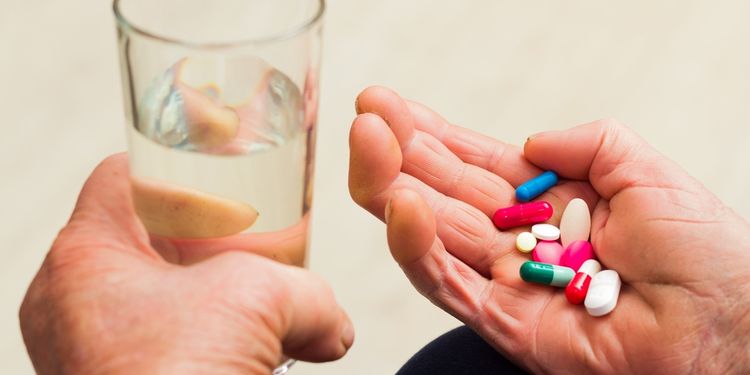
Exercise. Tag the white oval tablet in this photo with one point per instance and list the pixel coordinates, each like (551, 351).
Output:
(545, 232)
(575, 223)
(525, 242)
(603, 293)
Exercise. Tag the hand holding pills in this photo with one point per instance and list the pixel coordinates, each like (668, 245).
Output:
(682, 296)
(554, 264)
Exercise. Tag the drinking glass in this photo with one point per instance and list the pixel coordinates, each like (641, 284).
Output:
(221, 104)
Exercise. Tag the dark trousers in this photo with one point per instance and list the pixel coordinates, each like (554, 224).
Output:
(459, 352)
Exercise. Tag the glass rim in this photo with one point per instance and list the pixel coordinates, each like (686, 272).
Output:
(287, 33)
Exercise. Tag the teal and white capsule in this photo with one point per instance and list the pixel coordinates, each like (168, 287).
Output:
(547, 274)
(536, 186)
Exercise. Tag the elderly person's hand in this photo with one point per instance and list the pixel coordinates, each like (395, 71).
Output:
(104, 301)
(684, 257)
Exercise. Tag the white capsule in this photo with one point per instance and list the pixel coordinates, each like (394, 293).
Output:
(603, 293)
(545, 232)
(525, 242)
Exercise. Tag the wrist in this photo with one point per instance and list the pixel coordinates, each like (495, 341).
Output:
(253, 349)
(726, 341)
(209, 360)
(739, 361)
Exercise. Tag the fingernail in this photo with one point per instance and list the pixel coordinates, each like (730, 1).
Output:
(535, 135)
(347, 334)
(540, 134)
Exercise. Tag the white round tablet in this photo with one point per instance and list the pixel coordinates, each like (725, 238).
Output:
(525, 242)
(546, 232)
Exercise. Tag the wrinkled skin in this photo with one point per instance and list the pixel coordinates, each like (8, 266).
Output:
(106, 302)
(684, 257)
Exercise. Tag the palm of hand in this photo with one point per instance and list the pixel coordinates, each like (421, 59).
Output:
(441, 183)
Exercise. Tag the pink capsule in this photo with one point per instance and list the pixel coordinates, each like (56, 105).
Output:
(522, 214)
(576, 253)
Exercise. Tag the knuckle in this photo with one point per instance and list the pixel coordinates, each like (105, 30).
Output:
(612, 130)
(497, 155)
(114, 159)
(251, 289)
(252, 275)
(457, 181)
(27, 308)
(114, 162)
(70, 253)
(610, 125)
(441, 207)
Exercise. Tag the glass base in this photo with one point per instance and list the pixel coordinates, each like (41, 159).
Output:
(284, 368)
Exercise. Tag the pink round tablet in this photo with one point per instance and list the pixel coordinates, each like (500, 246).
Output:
(548, 252)
(576, 253)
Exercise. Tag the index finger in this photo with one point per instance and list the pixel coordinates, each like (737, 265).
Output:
(500, 158)
(505, 160)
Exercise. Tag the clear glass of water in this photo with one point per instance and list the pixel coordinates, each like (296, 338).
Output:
(221, 104)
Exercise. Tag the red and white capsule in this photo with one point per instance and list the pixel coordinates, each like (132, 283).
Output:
(576, 290)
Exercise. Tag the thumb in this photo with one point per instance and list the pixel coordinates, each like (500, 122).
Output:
(609, 155)
(318, 329)
(411, 227)
(104, 216)
(296, 306)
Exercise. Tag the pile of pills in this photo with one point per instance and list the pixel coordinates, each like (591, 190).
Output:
(561, 257)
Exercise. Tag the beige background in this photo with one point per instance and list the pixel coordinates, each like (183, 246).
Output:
(677, 71)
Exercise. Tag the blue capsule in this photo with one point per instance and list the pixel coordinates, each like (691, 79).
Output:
(536, 186)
